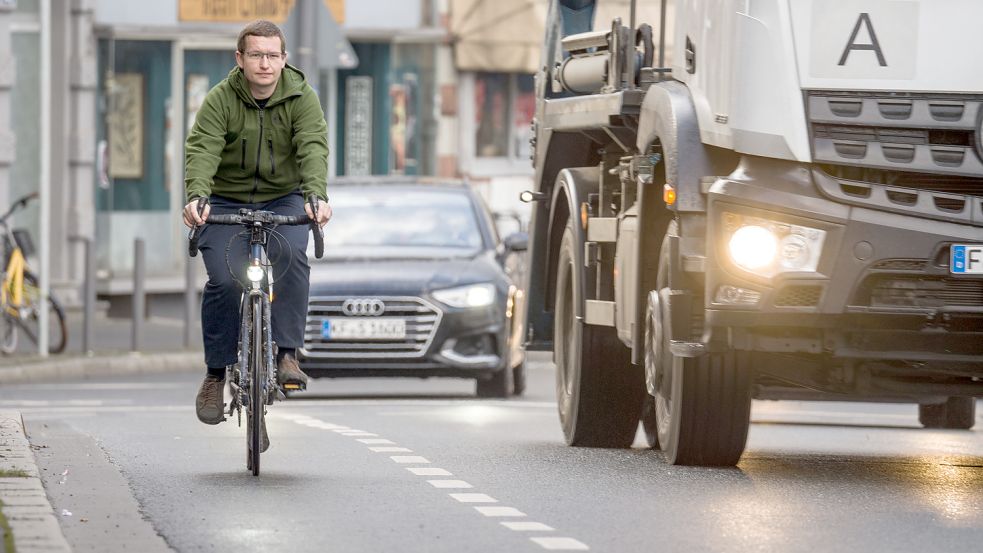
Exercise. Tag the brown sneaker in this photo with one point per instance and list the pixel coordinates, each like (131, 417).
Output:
(288, 372)
(209, 403)
(264, 439)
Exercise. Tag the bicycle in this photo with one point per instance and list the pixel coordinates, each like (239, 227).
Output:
(20, 293)
(253, 379)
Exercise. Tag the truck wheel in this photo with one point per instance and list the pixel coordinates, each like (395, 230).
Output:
(702, 404)
(599, 392)
(957, 413)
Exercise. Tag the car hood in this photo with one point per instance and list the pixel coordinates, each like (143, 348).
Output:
(401, 276)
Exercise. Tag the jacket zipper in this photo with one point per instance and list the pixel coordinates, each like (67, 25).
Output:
(242, 164)
(259, 156)
(269, 141)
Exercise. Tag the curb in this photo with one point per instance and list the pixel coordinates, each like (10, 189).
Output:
(99, 366)
(26, 507)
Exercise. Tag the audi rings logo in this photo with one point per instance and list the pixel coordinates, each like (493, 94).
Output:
(363, 307)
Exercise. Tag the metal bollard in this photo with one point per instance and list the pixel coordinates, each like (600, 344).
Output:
(190, 295)
(88, 296)
(139, 294)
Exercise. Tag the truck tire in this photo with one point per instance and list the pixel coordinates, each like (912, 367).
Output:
(599, 392)
(702, 404)
(957, 413)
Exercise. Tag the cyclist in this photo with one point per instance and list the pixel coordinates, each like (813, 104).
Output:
(259, 141)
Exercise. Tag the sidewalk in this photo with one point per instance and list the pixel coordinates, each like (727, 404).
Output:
(162, 349)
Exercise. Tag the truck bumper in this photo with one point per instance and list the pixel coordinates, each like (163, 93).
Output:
(882, 291)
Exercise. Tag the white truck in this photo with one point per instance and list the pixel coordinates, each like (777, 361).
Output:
(740, 199)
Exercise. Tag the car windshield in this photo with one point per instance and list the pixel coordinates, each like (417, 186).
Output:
(396, 221)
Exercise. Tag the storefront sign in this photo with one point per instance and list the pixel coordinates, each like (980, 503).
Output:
(358, 126)
(239, 11)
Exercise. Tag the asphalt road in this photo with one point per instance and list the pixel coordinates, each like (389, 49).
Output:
(410, 465)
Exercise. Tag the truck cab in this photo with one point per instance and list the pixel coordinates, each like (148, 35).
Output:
(773, 199)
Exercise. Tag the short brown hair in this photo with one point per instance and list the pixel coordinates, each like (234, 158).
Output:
(260, 27)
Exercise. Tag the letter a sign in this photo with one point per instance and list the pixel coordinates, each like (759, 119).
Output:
(869, 40)
(863, 21)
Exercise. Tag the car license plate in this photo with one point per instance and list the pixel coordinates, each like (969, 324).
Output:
(966, 259)
(363, 329)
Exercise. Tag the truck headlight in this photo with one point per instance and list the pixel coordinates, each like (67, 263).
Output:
(767, 247)
(255, 273)
(475, 295)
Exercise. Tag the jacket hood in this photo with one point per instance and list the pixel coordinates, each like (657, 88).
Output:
(291, 83)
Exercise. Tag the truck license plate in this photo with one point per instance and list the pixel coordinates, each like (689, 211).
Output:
(966, 259)
(363, 329)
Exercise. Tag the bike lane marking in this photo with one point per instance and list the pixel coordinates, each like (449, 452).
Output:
(551, 543)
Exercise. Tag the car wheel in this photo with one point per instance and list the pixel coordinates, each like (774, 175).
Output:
(519, 379)
(498, 386)
(957, 413)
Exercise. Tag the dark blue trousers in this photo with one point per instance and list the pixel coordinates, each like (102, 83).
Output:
(225, 249)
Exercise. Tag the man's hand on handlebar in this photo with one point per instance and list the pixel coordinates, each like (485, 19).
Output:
(191, 217)
(323, 212)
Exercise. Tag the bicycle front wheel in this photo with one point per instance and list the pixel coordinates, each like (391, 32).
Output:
(257, 385)
(30, 318)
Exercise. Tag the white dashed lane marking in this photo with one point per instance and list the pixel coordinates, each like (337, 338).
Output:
(524, 526)
(407, 459)
(449, 484)
(560, 544)
(473, 498)
(500, 511)
(382, 445)
(428, 471)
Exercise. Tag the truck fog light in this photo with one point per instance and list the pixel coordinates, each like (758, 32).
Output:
(733, 295)
(753, 247)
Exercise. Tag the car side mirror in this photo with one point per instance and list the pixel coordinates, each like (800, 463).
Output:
(516, 242)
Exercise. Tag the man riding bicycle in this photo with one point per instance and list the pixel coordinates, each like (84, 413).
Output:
(259, 142)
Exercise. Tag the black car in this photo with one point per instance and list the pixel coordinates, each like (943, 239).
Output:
(413, 283)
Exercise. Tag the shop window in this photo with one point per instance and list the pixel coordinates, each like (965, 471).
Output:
(504, 104)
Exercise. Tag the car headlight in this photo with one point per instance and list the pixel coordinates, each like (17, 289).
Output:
(767, 247)
(255, 273)
(475, 295)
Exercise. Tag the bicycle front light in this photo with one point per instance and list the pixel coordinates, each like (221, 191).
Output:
(766, 247)
(255, 273)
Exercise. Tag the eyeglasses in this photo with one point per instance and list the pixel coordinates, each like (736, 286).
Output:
(272, 56)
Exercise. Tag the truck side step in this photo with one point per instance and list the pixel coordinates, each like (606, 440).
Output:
(599, 313)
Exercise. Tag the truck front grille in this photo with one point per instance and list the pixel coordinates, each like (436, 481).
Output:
(937, 134)
(924, 291)
(422, 321)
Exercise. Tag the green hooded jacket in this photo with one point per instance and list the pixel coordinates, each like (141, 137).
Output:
(237, 150)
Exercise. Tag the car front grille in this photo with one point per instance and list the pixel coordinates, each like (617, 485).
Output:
(923, 291)
(422, 321)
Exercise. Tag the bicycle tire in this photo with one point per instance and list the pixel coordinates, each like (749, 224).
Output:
(57, 328)
(257, 398)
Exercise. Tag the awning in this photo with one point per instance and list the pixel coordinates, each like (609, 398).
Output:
(499, 35)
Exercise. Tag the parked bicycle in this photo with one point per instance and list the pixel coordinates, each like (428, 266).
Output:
(253, 378)
(20, 292)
